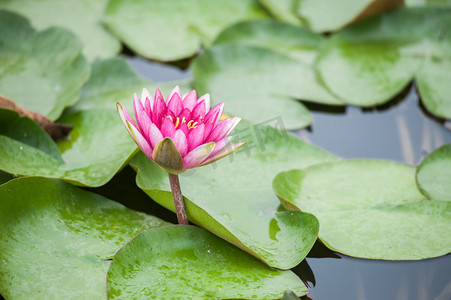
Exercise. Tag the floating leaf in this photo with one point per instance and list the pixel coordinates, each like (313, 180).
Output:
(55, 239)
(434, 174)
(370, 62)
(259, 69)
(81, 17)
(233, 198)
(324, 15)
(95, 150)
(188, 262)
(40, 71)
(172, 30)
(369, 209)
(283, 10)
(113, 80)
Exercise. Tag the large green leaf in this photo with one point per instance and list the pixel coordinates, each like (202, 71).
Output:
(81, 17)
(369, 209)
(114, 80)
(259, 68)
(283, 10)
(172, 30)
(55, 239)
(233, 198)
(95, 150)
(41, 71)
(370, 62)
(324, 15)
(434, 174)
(185, 262)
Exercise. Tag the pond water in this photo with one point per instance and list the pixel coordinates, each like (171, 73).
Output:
(400, 131)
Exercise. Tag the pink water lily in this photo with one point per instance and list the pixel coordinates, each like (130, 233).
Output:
(181, 133)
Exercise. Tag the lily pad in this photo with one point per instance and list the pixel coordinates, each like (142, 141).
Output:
(55, 239)
(95, 150)
(84, 18)
(114, 80)
(188, 262)
(232, 198)
(369, 209)
(325, 15)
(260, 68)
(172, 30)
(283, 10)
(41, 71)
(370, 62)
(434, 174)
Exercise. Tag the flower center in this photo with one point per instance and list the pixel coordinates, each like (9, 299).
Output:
(191, 124)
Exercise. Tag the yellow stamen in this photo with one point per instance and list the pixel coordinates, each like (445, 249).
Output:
(170, 118)
(177, 122)
(183, 120)
(189, 124)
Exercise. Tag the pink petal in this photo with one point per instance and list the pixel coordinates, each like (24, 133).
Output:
(140, 140)
(222, 129)
(207, 131)
(198, 111)
(139, 111)
(196, 137)
(190, 100)
(167, 128)
(222, 153)
(124, 114)
(214, 114)
(159, 109)
(155, 135)
(180, 142)
(183, 127)
(175, 90)
(185, 113)
(175, 104)
(195, 157)
(147, 99)
(220, 145)
(205, 98)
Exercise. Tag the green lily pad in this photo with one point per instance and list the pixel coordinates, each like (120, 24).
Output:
(259, 68)
(370, 62)
(41, 71)
(434, 174)
(55, 239)
(174, 30)
(323, 15)
(5, 177)
(113, 80)
(283, 10)
(369, 209)
(232, 198)
(188, 262)
(84, 18)
(95, 150)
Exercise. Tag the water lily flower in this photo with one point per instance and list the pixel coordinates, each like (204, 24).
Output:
(180, 133)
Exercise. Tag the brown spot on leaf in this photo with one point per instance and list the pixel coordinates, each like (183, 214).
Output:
(56, 130)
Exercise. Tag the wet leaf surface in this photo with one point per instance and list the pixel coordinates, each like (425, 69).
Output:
(189, 262)
(41, 71)
(372, 61)
(57, 242)
(94, 151)
(434, 174)
(84, 18)
(261, 69)
(169, 31)
(395, 221)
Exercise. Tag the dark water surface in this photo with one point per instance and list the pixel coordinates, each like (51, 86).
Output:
(399, 131)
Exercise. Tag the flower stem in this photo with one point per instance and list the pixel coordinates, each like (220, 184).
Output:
(178, 199)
